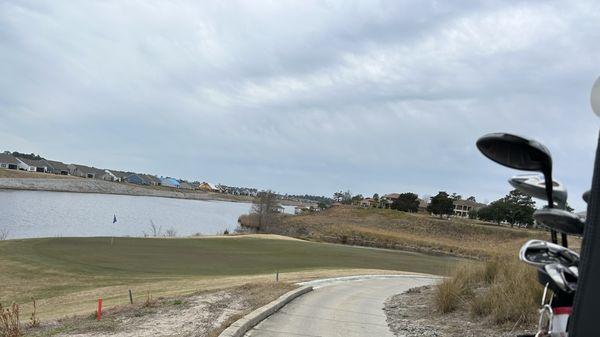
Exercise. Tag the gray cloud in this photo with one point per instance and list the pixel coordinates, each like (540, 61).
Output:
(302, 97)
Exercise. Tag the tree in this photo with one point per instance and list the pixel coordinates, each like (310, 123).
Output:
(265, 206)
(514, 208)
(441, 204)
(406, 202)
(375, 200)
(456, 196)
(471, 198)
(519, 208)
(495, 211)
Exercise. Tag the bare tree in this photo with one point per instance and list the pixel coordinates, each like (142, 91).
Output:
(155, 230)
(171, 232)
(4, 234)
(266, 207)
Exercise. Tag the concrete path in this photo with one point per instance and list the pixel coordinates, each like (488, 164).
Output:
(348, 308)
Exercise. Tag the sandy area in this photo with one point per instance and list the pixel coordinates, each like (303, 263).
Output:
(202, 314)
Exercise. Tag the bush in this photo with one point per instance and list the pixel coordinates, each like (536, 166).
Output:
(503, 289)
(9, 321)
(454, 291)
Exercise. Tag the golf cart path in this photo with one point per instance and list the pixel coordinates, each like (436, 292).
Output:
(343, 307)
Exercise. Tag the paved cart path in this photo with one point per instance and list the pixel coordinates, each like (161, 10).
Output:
(349, 308)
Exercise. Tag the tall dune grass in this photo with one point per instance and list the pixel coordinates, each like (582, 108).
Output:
(502, 289)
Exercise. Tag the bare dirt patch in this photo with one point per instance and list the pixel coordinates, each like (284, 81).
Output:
(410, 314)
(201, 314)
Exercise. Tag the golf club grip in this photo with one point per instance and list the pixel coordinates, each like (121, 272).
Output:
(584, 322)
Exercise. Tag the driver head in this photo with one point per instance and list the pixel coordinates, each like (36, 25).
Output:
(515, 152)
(559, 220)
(535, 186)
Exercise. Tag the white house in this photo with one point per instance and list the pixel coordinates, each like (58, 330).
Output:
(34, 165)
(8, 161)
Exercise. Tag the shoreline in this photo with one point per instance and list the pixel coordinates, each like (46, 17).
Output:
(81, 185)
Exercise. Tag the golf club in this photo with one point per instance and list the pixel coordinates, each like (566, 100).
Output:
(521, 154)
(584, 321)
(535, 186)
(586, 196)
(540, 253)
(559, 220)
(559, 277)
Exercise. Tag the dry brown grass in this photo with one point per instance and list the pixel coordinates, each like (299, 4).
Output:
(6, 173)
(386, 228)
(10, 325)
(502, 289)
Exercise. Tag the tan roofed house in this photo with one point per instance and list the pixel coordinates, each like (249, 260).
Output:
(208, 187)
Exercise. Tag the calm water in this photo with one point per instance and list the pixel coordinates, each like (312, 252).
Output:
(29, 214)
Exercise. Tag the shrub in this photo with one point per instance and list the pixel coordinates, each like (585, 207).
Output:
(502, 288)
(9, 321)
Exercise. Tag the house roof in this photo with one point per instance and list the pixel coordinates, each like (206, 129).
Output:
(58, 165)
(185, 184)
(392, 196)
(88, 169)
(121, 174)
(8, 159)
(468, 203)
(211, 186)
(35, 162)
(151, 178)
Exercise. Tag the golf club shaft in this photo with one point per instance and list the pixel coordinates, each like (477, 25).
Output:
(548, 182)
(584, 321)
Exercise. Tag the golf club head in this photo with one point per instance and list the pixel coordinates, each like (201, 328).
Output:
(515, 152)
(586, 196)
(535, 186)
(540, 253)
(560, 279)
(559, 220)
(519, 153)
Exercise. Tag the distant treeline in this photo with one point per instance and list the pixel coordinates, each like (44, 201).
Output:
(315, 198)
(31, 156)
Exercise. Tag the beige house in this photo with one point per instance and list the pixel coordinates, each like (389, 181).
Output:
(463, 207)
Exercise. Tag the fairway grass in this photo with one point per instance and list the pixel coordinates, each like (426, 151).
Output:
(67, 275)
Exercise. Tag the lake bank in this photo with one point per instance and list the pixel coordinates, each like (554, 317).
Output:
(81, 185)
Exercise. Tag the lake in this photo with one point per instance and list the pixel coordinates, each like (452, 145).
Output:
(33, 214)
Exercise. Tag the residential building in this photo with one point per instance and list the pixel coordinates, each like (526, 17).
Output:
(169, 182)
(463, 207)
(208, 187)
(137, 179)
(366, 203)
(185, 185)
(57, 167)
(152, 180)
(423, 205)
(34, 165)
(86, 171)
(8, 161)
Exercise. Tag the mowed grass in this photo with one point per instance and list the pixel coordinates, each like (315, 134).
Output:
(57, 268)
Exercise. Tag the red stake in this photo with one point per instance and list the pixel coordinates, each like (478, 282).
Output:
(99, 312)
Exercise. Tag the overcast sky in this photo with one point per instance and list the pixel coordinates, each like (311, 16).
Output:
(302, 97)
